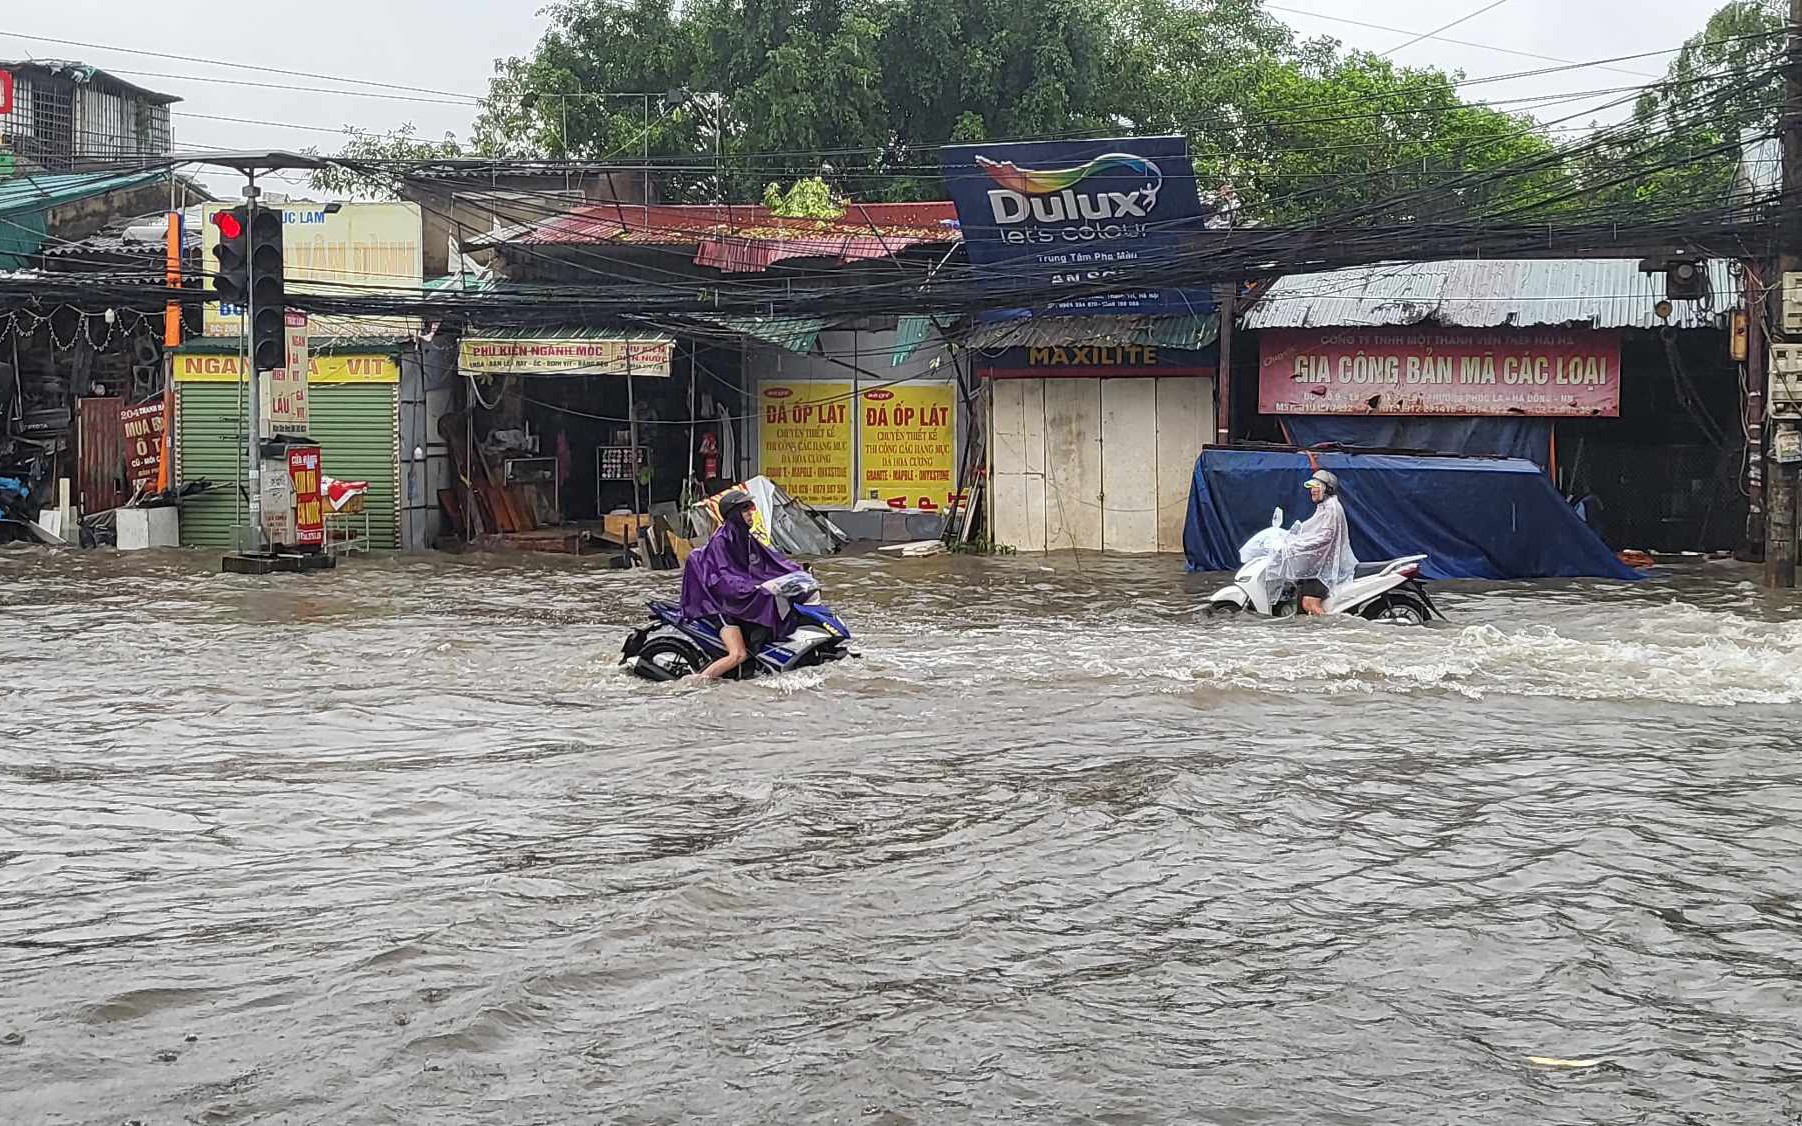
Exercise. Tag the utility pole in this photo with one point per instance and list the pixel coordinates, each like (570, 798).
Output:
(253, 463)
(1228, 313)
(1780, 478)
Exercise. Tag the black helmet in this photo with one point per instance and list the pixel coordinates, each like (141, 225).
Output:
(1326, 480)
(732, 501)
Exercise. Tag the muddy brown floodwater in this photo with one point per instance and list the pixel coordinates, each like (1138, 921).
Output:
(401, 845)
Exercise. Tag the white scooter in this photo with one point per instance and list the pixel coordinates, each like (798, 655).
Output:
(1380, 592)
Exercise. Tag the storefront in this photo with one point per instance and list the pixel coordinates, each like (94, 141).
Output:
(1095, 425)
(866, 424)
(1567, 364)
(578, 420)
(354, 416)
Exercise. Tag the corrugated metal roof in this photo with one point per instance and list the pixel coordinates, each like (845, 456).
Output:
(116, 238)
(740, 238)
(1599, 292)
(568, 333)
(796, 334)
(1190, 332)
(465, 282)
(25, 202)
(84, 74)
(35, 193)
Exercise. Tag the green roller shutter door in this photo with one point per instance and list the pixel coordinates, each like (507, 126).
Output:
(210, 443)
(355, 424)
(358, 431)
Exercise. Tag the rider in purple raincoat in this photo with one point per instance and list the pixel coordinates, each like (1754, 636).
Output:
(723, 583)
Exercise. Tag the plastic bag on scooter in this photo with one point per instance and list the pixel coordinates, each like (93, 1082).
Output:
(796, 586)
(1267, 542)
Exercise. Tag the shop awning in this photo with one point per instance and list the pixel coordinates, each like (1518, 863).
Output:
(796, 334)
(1190, 333)
(568, 351)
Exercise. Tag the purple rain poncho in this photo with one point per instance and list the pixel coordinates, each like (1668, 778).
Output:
(726, 575)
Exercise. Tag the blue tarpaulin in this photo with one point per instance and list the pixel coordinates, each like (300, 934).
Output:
(1474, 518)
(1530, 438)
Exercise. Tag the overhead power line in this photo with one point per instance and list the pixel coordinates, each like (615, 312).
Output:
(234, 65)
(1443, 39)
(1490, 7)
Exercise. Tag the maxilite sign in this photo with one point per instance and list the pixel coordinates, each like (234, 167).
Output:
(1066, 214)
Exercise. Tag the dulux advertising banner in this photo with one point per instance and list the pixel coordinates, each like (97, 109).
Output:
(1076, 212)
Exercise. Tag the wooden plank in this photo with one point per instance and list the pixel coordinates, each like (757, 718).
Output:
(1185, 415)
(1073, 481)
(1129, 474)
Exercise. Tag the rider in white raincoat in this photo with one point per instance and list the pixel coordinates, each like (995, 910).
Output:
(1317, 556)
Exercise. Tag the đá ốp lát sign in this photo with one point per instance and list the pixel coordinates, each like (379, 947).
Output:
(1545, 372)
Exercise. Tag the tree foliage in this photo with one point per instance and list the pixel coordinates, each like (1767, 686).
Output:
(811, 198)
(722, 97)
(1686, 135)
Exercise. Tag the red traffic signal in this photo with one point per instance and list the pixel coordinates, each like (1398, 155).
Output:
(231, 281)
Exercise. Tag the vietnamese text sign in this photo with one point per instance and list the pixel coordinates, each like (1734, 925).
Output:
(309, 510)
(143, 444)
(1098, 361)
(373, 249)
(1072, 213)
(804, 440)
(907, 444)
(282, 394)
(553, 356)
(1572, 373)
(200, 368)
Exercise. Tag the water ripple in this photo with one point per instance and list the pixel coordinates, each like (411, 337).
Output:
(401, 844)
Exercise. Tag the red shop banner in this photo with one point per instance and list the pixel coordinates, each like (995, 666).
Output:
(1547, 372)
(309, 511)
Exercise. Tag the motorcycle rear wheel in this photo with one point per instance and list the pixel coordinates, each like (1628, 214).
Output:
(674, 655)
(1399, 609)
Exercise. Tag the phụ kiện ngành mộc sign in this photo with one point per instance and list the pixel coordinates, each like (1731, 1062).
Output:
(555, 356)
(1548, 372)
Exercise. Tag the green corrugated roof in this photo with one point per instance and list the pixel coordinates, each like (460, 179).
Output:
(912, 330)
(25, 201)
(797, 334)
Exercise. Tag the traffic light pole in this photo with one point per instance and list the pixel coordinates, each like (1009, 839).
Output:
(253, 439)
(1780, 474)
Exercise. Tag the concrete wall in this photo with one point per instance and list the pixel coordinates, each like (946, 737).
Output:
(1095, 464)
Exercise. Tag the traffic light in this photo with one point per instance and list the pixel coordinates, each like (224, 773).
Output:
(1684, 280)
(268, 326)
(231, 281)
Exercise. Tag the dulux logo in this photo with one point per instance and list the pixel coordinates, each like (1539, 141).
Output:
(1049, 195)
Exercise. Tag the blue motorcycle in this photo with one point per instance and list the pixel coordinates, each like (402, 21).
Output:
(670, 648)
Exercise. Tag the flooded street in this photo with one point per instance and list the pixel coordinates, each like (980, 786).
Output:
(401, 845)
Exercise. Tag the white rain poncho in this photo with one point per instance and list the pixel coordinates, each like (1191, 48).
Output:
(1320, 548)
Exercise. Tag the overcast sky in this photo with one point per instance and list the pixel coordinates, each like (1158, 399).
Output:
(448, 47)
